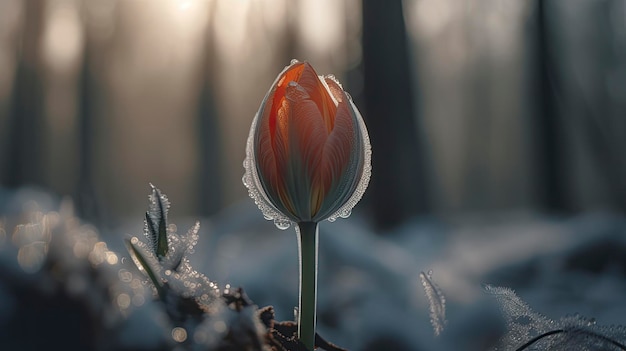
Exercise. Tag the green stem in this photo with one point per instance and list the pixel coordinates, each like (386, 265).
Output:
(308, 234)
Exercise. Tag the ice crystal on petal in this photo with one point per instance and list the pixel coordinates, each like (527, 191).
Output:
(334, 79)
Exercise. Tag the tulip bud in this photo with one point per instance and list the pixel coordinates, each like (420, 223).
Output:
(308, 156)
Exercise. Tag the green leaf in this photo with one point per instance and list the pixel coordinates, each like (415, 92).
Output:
(142, 263)
(156, 221)
(151, 231)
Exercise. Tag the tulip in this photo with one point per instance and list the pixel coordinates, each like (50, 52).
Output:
(308, 159)
(308, 154)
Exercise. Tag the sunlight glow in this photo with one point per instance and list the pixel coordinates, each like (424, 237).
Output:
(232, 28)
(321, 24)
(63, 36)
(184, 5)
(433, 16)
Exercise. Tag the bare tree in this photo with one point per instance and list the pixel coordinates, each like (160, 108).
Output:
(398, 185)
(210, 197)
(24, 159)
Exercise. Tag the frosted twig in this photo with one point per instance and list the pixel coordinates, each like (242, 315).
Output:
(436, 302)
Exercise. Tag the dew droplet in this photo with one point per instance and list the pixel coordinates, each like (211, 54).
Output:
(346, 213)
(333, 78)
(293, 61)
(281, 224)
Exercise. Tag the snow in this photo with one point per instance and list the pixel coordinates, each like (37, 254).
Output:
(369, 283)
(369, 287)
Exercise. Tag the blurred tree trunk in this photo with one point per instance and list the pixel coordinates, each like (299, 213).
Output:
(602, 115)
(86, 201)
(398, 185)
(579, 149)
(616, 94)
(551, 175)
(24, 159)
(210, 196)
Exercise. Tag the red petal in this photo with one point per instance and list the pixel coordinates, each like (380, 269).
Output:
(339, 147)
(308, 137)
(278, 94)
(335, 89)
(311, 82)
(308, 132)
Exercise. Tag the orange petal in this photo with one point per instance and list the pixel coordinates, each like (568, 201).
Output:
(339, 147)
(290, 74)
(271, 140)
(311, 82)
(280, 143)
(307, 139)
(307, 133)
(335, 88)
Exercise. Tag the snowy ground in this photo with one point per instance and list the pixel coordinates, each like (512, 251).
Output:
(369, 291)
(369, 286)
